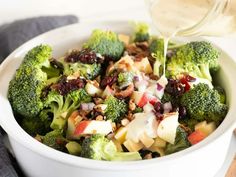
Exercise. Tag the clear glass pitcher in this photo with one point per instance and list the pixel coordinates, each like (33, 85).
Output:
(193, 17)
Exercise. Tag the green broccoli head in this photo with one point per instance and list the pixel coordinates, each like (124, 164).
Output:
(98, 147)
(115, 109)
(88, 71)
(195, 58)
(25, 88)
(105, 43)
(181, 142)
(125, 79)
(203, 103)
(63, 106)
(221, 92)
(55, 140)
(141, 33)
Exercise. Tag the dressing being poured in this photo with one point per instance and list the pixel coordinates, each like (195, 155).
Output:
(188, 18)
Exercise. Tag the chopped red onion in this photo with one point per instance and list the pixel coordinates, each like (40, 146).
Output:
(159, 87)
(136, 78)
(87, 106)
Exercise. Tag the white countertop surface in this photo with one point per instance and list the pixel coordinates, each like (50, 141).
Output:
(97, 10)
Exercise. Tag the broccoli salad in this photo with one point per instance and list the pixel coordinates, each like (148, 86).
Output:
(117, 99)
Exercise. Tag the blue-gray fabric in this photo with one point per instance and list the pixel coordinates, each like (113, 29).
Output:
(12, 35)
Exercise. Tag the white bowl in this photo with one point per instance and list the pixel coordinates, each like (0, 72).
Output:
(38, 160)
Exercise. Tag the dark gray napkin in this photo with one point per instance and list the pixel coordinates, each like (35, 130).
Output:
(12, 35)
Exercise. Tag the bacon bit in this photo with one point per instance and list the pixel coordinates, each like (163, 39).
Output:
(125, 93)
(132, 105)
(64, 86)
(130, 116)
(153, 77)
(99, 117)
(186, 129)
(98, 100)
(142, 45)
(138, 50)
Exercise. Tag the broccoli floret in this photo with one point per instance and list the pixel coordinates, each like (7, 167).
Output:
(181, 142)
(189, 122)
(203, 103)
(137, 110)
(141, 33)
(115, 109)
(195, 58)
(25, 88)
(105, 43)
(98, 147)
(88, 71)
(156, 49)
(221, 92)
(125, 79)
(62, 106)
(55, 140)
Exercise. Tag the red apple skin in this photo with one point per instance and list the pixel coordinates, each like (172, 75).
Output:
(81, 127)
(147, 98)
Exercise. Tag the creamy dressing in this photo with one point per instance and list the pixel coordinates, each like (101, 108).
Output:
(171, 16)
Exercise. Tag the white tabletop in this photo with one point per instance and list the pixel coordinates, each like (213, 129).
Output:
(97, 10)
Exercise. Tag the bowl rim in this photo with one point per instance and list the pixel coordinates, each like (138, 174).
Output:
(29, 142)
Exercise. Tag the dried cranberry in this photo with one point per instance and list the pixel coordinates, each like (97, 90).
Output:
(182, 112)
(175, 87)
(72, 57)
(186, 84)
(86, 56)
(64, 86)
(108, 80)
(158, 107)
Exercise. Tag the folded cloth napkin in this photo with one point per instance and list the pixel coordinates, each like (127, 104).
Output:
(13, 35)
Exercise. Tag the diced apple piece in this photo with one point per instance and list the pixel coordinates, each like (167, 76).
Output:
(158, 142)
(73, 148)
(196, 137)
(120, 135)
(132, 146)
(72, 122)
(143, 65)
(125, 63)
(168, 126)
(206, 128)
(142, 99)
(124, 38)
(146, 140)
(92, 89)
(118, 145)
(93, 127)
(107, 92)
